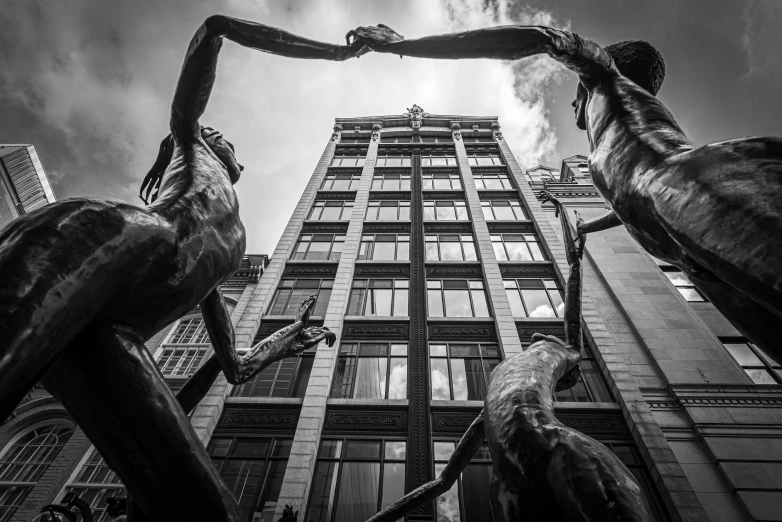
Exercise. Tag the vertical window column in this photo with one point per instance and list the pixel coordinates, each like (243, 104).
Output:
(506, 327)
(300, 472)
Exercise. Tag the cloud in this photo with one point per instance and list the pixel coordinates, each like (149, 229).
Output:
(90, 83)
(762, 40)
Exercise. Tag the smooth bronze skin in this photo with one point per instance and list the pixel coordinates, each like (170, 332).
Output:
(543, 470)
(85, 282)
(713, 211)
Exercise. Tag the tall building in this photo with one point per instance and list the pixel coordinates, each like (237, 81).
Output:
(24, 186)
(433, 260)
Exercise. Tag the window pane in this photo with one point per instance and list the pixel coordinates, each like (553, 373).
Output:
(440, 380)
(448, 504)
(331, 213)
(435, 302)
(362, 449)
(322, 488)
(384, 250)
(678, 278)
(322, 303)
(760, 376)
(382, 304)
(559, 305)
(429, 214)
(443, 450)
(397, 386)
(396, 450)
(404, 212)
(457, 303)
(403, 251)
(400, 302)
(537, 303)
(469, 251)
(476, 480)
(302, 376)
(479, 303)
(358, 490)
(502, 212)
(743, 355)
(343, 378)
(593, 382)
(461, 212)
(450, 251)
(445, 212)
(690, 294)
(371, 378)
(393, 483)
(518, 251)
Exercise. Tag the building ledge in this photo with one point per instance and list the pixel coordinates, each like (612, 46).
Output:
(263, 401)
(369, 403)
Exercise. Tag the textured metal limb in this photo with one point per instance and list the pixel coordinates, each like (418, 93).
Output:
(605, 222)
(465, 449)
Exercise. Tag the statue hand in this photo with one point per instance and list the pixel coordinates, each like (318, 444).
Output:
(545, 196)
(305, 309)
(312, 336)
(352, 50)
(375, 37)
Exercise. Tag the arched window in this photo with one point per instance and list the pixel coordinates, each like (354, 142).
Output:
(95, 483)
(185, 348)
(26, 459)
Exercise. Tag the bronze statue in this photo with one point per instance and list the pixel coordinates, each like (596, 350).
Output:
(543, 470)
(84, 282)
(714, 211)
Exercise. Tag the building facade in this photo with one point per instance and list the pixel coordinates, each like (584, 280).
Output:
(432, 260)
(24, 185)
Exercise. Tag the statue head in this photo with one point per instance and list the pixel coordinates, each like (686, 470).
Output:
(637, 61)
(224, 150)
(568, 370)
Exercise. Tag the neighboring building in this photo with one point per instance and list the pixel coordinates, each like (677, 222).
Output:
(433, 260)
(24, 186)
(44, 454)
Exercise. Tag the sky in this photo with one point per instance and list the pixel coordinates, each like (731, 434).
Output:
(90, 83)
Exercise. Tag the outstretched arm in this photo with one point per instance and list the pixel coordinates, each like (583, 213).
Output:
(574, 250)
(510, 42)
(598, 224)
(198, 71)
(468, 445)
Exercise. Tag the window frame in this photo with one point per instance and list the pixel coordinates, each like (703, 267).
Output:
(113, 488)
(687, 285)
(504, 178)
(397, 284)
(358, 160)
(336, 478)
(401, 179)
(405, 161)
(461, 241)
(369, 251)
(334, 241)
(444, 301)
(345, 205)
(525, 239)
(177, 359)
(478, 459)
(380, 203)
(512, 203)
(331, 178)
(462, 204)
(321, 287)
(549, 283)
(450, 159)
(428, 180)
(767, 364)
(337, 390)
(496, 159)
(302, 360)
(482, 347)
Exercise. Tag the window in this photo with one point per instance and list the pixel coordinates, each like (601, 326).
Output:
(396, 139)
(456, 298)
(285, 378)
(590, 386)
(534, 297)
(442, 181)
(371, 371)
(470, 497)
(393, 161)
(437, 139)
(517, 247)
(469, 138)
(450, 247)
(95, 483)
(445, 210)
(437, 160)
(391, 182)
(379, 297)
(632, 460)
(761, 368)
(349, 138)
(341, 182)
(354, 479)
(342, 160)
(492, 180)
(483, 159)
(317, 247)
(331, 210)
(388, 211)
(185, 349)
(253, 469)
(503, 210)
(25, 460)
(683, 284)
(386, 247)
(461, 371)
(292, 292)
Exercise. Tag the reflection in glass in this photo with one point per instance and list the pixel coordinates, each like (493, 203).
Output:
(457, 303)
(447, 504)
(743, 354)
(393, 483)
(477, 504)
(435, 302)
(358, 490)
(370, 378)
(537, 303)
(397, 386)
(322, 488)
(760, 376)
(440, 389)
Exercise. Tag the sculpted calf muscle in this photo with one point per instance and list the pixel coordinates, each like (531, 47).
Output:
(714, 211)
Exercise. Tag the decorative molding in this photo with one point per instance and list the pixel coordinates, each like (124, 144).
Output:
(255, 421)
(377, 270)
(456, 130)
(498, 194)
(376, 331)
(389, 228)
(451, 271)
(527, 329)
(495, 127)
(352, 422)
(452, 423)
(399, 195)
(315, 228)
(330, 195)
(475, 128)
(508, 270)
(376, 131)
(430, 227)
(310, 270)
(730, 401)
(416, 115)
(462, 332)
(337, 131)
(357, 128)
(663, 404)
(345, 170)
(430, 195)
(521, 227)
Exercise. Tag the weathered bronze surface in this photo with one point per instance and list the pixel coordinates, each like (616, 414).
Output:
(84, 282)
(543, 470)
(713, 211)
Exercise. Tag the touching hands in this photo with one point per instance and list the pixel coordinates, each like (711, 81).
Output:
(376, 37)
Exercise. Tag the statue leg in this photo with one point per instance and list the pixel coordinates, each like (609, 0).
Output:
(110, 384)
